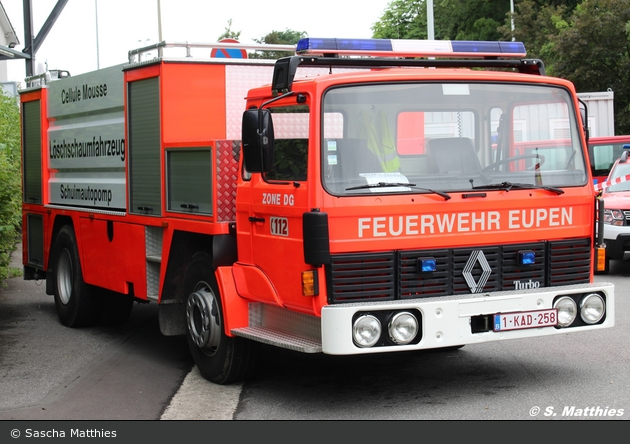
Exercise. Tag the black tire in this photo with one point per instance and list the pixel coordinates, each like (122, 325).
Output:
(116, 308)
(219, 358)
(78, 304)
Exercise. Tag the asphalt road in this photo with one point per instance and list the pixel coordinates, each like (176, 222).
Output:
(48, 371)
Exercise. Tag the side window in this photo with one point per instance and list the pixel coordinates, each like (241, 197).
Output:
(290, 159)
(291, 126)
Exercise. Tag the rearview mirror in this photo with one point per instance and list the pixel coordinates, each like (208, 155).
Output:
(258, 139)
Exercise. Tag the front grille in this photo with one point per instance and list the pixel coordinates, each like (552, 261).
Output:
(570, 262)
(394, 274)
(363, 277)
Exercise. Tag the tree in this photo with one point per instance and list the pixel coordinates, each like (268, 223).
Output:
(453, 20)
(10, 180)
(535, 22)
(228, 33)
(286, 37)
(584, 41)
(593, 51)
(402, 19)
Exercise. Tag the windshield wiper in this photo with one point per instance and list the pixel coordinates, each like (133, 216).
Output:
(507, 186)
(398, 184)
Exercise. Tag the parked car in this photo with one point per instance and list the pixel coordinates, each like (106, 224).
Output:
(603, 152)
(616, 196)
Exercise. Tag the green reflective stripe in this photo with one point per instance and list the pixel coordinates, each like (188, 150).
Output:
(381, 143)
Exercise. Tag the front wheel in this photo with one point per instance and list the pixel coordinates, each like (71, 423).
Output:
(78, 304)
(220, 358)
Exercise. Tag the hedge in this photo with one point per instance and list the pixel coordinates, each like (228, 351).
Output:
(10, 181)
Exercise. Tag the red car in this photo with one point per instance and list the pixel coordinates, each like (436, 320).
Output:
(617, 210)
(603, 152)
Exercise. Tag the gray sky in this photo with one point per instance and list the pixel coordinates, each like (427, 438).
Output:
(127, 24)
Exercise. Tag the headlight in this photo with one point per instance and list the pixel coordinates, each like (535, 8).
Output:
(403, 327)
(613, 217)
(592, 308)
(567, 311)
(366, 331)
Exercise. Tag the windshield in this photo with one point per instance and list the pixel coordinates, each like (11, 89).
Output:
(444, 137)
(619, 172)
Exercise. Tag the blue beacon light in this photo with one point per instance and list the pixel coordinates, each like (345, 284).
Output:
(526, 257)
(426, 265)
(410, 48)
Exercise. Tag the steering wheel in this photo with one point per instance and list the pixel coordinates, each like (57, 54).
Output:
(493, 166)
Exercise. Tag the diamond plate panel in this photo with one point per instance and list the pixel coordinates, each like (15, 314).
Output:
(227, 156)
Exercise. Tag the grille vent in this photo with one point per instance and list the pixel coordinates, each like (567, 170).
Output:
(394, 275)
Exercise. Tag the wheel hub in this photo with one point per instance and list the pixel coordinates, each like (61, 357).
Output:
(202, 318)
(64, 277)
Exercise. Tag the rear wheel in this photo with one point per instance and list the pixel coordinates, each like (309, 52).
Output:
(77, 303)
(220, 358)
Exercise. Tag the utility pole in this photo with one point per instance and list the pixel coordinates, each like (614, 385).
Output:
(430, 30)
(98, 59)
(159, 21)
(512, 17)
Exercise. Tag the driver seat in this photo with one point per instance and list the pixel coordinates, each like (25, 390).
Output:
(453, 155)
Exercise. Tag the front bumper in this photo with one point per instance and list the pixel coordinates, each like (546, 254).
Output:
(617, 240)
(446, 321)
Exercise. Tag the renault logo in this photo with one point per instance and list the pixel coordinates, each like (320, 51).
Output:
(477, 256)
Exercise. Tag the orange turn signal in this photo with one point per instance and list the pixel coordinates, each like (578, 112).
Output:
(310, 283)
(601, 258)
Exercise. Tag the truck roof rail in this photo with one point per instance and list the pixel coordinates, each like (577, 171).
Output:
(45, 77)
(136, 55)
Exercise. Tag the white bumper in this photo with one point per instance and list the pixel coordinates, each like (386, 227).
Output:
(446, 321)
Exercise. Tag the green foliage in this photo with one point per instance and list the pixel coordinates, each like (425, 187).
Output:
(10, 180)
(228, 33)
(453, 20)
(403, 19)
(286, 37)
(584, 41)
(593, 52)
(535, 22)
(290, 159)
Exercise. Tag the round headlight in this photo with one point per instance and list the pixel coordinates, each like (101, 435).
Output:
(366, 331)
(567, 311)
(403, 327)
(592, 308)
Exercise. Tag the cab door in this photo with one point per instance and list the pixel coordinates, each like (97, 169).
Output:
(276, 200)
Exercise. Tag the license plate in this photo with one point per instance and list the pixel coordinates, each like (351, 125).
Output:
(526, 319)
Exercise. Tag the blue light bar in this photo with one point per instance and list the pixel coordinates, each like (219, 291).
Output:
(409, 48)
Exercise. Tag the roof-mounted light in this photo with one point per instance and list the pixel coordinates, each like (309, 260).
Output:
(409, 48)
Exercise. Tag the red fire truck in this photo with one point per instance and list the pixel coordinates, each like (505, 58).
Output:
(360, 196)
